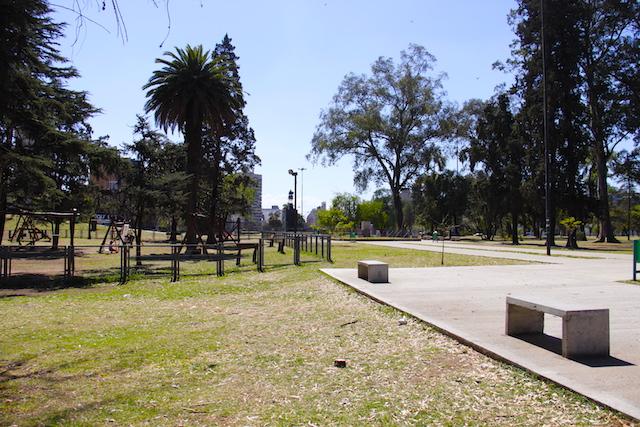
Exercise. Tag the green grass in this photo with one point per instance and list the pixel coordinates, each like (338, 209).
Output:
(253, 349)
(625, 246)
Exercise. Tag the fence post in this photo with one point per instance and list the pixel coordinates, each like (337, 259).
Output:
(296, 250)
(329, 249)
(220, 262)
(66, 263)
(123, 278)
(175, 264)
(72, 260)
(260, 255)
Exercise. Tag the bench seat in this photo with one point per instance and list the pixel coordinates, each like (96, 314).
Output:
(373, 271)
(585, 330)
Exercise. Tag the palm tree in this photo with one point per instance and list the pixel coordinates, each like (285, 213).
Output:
(192, 91)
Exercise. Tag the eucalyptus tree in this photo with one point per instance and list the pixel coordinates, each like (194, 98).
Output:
(610, 34)
(193, 91)
(392, 121)
(497, 150)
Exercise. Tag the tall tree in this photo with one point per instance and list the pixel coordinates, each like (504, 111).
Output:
(608, 27)
(391, 121)
(495, 147)
(441, 197)
(45, 140)
(229, 149)
(193, 91)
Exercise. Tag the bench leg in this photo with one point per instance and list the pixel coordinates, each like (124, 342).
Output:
(585, 334)
(521, 320)
(363, 272)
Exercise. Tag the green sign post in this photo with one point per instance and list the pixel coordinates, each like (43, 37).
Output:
(636, 257)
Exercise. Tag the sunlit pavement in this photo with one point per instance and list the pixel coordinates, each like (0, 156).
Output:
(469, 304)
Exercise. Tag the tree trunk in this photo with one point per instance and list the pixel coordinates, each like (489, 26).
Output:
(174, 230)
(138, 243)
(605, 233)
(3, 204)
(397, 206)
(514, 228)
(572, 240)
(193, 138)
(138, 228)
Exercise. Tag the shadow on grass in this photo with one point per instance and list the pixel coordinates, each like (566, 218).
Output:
(46, 283)
(554, 345)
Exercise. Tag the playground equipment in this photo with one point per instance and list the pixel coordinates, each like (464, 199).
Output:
(28, 233)
(26, 229)
(117, 230)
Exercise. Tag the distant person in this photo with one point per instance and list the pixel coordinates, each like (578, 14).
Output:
(113, 249)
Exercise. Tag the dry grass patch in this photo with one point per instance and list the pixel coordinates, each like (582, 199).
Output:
(254, 349)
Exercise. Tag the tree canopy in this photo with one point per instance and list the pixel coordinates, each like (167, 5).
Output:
(392, 122)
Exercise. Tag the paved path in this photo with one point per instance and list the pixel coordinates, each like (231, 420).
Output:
(469, 304)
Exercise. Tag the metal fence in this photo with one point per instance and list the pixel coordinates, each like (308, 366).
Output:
(317, 244)
(48, 261)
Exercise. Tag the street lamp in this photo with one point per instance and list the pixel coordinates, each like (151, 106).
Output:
(295, 199)
(547, 192)
(286, 218)
(295, 187)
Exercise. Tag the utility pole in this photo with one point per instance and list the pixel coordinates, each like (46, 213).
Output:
(547, 204)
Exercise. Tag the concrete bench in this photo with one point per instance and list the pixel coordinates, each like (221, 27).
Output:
(585, 331)
(373, 271)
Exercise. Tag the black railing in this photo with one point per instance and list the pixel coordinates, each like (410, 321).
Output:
(318, 244)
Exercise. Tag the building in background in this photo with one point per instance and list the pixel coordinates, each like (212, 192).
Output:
(267, 212)
(312, 218)
(254, 219)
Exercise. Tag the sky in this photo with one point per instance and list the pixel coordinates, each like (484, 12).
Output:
(293, 56)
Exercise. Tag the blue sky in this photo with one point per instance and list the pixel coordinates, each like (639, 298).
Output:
(293, 56)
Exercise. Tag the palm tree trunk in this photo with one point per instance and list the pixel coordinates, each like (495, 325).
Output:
(193, 139)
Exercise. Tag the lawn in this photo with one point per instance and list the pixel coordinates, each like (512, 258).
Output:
(253, 349)
(625, 246)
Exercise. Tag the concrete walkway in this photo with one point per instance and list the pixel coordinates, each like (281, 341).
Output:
(469, 304)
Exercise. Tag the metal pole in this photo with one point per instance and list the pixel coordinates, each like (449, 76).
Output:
(547, 204)
(628, 198)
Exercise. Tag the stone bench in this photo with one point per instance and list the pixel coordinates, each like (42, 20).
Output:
(373, 271)
(585, 331)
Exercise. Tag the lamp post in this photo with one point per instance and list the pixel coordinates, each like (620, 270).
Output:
(295, 187)
(287, 217)
(547, 204)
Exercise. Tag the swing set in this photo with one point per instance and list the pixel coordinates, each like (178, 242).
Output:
(29, 230)
(118, 231)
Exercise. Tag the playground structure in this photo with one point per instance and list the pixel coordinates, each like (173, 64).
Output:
(27, 231)
(228, 246)
(116, 230)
